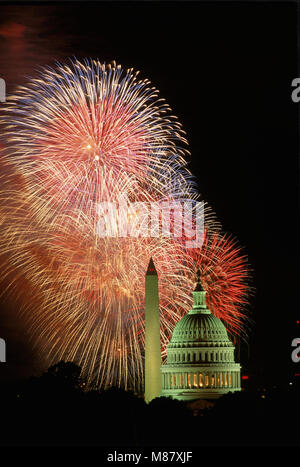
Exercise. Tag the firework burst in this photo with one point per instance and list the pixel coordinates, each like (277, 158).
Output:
(76, 136)
(84, 131)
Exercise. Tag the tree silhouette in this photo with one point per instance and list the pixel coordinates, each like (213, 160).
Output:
(65, 373)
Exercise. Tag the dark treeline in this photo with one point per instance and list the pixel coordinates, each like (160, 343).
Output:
(55, 409)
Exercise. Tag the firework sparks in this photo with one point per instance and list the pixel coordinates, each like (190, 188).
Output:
(76, 136)
(91, 130)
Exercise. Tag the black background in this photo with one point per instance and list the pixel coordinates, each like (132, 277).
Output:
(226, 70)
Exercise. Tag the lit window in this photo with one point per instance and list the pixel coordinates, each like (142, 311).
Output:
(195, 380)
(200, 380)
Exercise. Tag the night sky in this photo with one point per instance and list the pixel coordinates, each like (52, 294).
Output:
(226, 71)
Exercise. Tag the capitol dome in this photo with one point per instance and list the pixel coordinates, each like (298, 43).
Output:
(200, 356)
(197, 329)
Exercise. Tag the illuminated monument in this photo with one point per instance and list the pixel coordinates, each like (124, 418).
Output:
(152, 336)
(200, 356)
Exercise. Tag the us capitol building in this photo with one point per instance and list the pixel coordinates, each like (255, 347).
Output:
(200, 356)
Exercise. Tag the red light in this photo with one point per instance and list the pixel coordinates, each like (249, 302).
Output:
(245, 377)
(297, 322)
(297, 374)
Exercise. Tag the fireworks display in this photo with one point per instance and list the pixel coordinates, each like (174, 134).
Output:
(76, 136)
